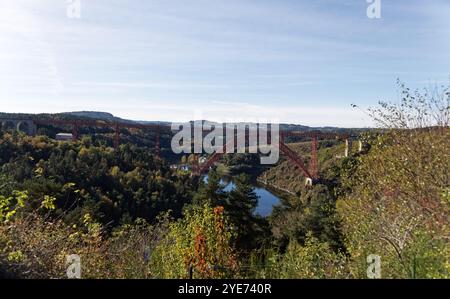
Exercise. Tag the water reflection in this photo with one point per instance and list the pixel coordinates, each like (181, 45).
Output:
(266, 198)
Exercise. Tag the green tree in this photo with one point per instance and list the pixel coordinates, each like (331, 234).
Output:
(240, 206)
(211, 191)
(199, 243)
(314, 213)
(397, 206)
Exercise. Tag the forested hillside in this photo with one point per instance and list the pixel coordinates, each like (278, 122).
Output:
(285, 176)
(129, 215)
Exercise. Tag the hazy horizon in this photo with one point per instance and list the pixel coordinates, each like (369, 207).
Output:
(168, 121)
(302, 62)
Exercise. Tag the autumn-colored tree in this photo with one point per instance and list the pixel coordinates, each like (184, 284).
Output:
(200, 244)
(398, 204)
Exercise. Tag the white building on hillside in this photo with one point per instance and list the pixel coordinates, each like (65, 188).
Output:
(64, 136)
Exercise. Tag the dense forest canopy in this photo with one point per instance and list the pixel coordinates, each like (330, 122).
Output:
(128, 214)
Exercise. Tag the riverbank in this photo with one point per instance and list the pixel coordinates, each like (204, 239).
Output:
(267, 197)
(277, 188)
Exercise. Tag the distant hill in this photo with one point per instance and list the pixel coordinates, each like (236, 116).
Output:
(97, 115)
(94, 114)
(106, 116)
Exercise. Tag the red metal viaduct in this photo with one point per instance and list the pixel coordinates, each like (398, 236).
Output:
(310, 172)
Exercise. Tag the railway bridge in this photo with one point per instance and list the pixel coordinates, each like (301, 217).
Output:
(310, 171)
(24, 125)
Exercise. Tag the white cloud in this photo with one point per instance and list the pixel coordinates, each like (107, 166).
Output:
(302, 61)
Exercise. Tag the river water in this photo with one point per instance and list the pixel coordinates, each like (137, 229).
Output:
(266, 198)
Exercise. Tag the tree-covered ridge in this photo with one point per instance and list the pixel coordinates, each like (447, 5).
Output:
(116, 186)
(129, 215)
(285, 176)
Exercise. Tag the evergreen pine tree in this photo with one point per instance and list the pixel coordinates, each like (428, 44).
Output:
(211, 191)
(240, 207)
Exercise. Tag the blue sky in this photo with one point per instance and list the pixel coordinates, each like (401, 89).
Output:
(295, 61)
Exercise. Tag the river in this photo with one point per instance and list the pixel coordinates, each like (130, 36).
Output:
(266, 198)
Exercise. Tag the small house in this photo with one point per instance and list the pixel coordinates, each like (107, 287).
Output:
(64, 136)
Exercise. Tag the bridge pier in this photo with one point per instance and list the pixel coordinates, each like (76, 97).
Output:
(26, 126)
(313, 164)
(348, 147)
(33, 129)
(116, 136)
(195, 166)
(158, 143)
(74, 132)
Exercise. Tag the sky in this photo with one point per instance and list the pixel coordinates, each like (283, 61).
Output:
(292, 61)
